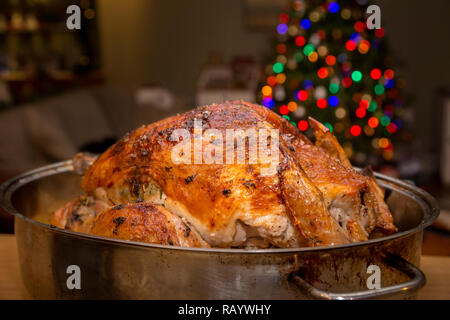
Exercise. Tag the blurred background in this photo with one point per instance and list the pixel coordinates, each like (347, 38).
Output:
(137, 61)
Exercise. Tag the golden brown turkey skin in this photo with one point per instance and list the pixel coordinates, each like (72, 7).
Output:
(354, 199)
(78, 215)
(233, 204)
(145, 222)
(227, 204)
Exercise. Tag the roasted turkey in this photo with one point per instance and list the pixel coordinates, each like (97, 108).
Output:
(137, 191)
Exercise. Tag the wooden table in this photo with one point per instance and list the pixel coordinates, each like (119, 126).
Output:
(436, 268)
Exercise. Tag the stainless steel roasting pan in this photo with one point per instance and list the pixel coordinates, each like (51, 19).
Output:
(115, 269)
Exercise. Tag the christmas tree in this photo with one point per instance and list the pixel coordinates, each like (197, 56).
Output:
(330, 66)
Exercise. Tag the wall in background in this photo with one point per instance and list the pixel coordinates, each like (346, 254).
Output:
(126, 29)
(178, 38)
(418, 34)
(166, 42)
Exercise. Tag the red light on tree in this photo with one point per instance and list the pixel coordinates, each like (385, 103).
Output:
(364, 104)
(347, 82)
(361, 113)
(284, 109)
(389, 74)
(271, 81)
(322, 73)
(330, 60)
(379, 33)
(375, 74)
(284, 18)
(391, 128)
(302, 95)
(350, 45)
(300, 41)
(360, 26)
(322, 103)
(373, 122)
(303, 125)
(355, 130)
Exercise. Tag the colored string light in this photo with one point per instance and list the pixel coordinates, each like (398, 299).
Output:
(389, 74)
(268, 102)
(303, 125)
(302, 95)
(379, 33)
(373, 122)
(379, 89)
(356, 76)
(333, 101)
(391, 128)
(278, 67)
(389, 83)
(355, 130)
(308, 49)
(355, 37)
(322, 34)
(375, 110)
(282, 28)
(346, 14)
(271, 81)
(300, 41)
(330, 60)
(360, 113)
(322, 73)
(307, 84)
(383, 143)
(281, 48)
(298, 56)
(350, 45)
(313, 57)
(333, 7)
(364, 47)
(375, 74)
(322, 50)
(385, 121)
(306, 24)
(267, 91)
(369, 131)
(284, 109)
(322, 103)
(284, 18)
(340, 113)
(359, 26)
(292, 106)
(347, 82)
(280, 78)
(334, 88)
(364, 104)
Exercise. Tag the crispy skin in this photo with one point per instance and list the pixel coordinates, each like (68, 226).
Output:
(145, 222)
(342, 187)
(313, 199)
(326, 140)
(374, 196)
(78, 215)
(227, 203)
(307, 208)
(385, 221)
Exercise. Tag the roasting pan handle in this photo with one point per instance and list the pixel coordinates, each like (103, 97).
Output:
(417, 281)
